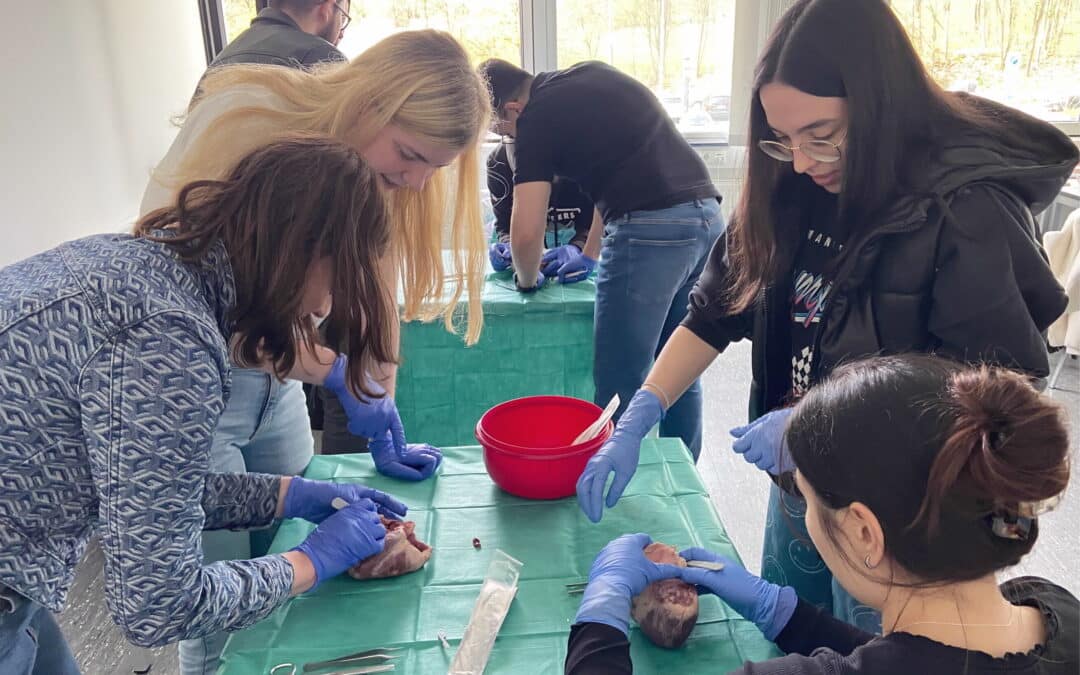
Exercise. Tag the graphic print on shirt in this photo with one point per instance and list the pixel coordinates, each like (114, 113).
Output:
(500, 187)
(808, 300)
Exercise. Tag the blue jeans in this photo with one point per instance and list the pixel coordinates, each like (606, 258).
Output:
(789, 558)
(30, 639)
(265, 429)
(648, 263)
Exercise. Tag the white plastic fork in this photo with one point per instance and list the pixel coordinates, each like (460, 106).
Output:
(596, 427)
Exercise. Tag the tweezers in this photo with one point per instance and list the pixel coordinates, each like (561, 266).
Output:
(363, 670)
(374, 655)
(576, 588)
(706, 565)
(290, 669)
(579, 587)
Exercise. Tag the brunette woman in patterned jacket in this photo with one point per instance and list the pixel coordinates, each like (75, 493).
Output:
(115, 355)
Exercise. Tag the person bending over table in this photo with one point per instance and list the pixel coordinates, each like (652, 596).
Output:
(659, 213)
(923, 479)
(115, 353)
(414, 108)
(568, 207)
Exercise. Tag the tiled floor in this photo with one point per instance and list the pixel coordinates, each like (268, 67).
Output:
(738, 490)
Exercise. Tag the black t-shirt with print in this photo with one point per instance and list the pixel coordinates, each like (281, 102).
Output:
(823, 241)
(608, 133)
(568, 206)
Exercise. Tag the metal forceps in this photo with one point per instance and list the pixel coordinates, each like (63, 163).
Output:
(579, 587)
(376, 657)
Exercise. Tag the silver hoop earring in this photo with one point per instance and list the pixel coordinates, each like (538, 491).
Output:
(867, 562)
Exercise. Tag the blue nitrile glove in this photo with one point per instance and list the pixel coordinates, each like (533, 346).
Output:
(416, 462)
(344, 539)
(619, 455)
(767, 605)
(555, 258)
(576, 269)
(499, 254)
(310, 499)
(529, 289)
(762, 442)
(620, 572)
(368, 418)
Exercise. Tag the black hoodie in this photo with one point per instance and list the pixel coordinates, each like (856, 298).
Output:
(953, 266)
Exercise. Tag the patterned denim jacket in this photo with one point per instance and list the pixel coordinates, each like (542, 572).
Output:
(113, 374)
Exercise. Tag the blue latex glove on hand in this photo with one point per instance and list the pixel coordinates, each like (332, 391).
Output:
(344, 539)
(499, 254)
(368, 418)
(555, 258)
(619, 455)
(578, 268)
(311, 499)
(767, 605)
(762, 442)
(417, 461)
(618, 573)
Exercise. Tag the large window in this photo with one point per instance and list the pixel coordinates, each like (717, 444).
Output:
(486, 28)
(681, 49)
(1024, 53)
(238, 15)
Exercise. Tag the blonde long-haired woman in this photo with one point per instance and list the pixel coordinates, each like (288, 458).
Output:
(415, 110)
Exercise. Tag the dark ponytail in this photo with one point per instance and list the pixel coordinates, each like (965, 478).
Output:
(1008, 443)
(953, 460)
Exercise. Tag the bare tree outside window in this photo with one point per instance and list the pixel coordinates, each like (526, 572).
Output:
(486, 28)
(681, 49)
(238, 16)
(1024, 53)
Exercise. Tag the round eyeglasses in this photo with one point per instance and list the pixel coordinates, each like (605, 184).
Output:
(345, 18)
(819, 151)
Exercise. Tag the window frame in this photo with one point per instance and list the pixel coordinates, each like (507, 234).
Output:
(754, 20)
(212, 16)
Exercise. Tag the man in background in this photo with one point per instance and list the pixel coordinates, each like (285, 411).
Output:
(294, 33)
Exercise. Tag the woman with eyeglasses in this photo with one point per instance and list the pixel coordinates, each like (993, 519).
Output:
(916, 508)
(879, 214)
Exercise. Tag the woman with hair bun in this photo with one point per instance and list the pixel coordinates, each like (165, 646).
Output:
(923, 478)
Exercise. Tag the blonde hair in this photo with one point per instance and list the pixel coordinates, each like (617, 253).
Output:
(421, 81)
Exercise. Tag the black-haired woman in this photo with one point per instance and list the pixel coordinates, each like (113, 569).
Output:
(922, 479)
(115, 355)
(880, 214)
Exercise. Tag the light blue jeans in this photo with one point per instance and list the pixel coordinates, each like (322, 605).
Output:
(649, 262)
(265, 429)
(789, 558)
(30, 639)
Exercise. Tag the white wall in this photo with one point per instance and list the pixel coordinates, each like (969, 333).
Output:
(88, 90)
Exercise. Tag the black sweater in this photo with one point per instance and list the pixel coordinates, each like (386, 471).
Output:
(818, 644)
(953, 266)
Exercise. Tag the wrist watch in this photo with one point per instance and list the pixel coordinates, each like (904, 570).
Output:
(525, 289)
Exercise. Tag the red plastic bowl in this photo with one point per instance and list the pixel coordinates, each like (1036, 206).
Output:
(527, 444)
